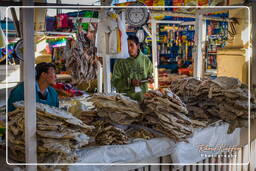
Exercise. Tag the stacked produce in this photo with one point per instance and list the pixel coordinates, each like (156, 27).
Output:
(117, 108)
(224, 98)
(59, 134)
(167, 114)
(107, 134)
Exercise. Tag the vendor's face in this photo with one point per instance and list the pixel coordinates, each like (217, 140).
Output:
(50, 76)
(133, 48)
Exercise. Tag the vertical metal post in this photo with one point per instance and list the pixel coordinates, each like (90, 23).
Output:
(200, 34)
(99, 78)
(21, 30)
(106, 72)
(253, 36)
(58, 9)
(154, 53)
(29, 86)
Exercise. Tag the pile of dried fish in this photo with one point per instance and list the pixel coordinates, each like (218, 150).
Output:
(82, 109)
(82, 61)
(224, 98)
(59, 134)
(107, 134)
(140, 133)
(167, 114)
(117, 108)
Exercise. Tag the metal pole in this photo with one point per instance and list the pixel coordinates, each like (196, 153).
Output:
(29, 86)
(154, 53)
(21, 30)
(200, 33)
(106, 72)
(99, 78)
(253, 36)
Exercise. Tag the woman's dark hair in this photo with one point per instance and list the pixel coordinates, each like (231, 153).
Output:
(43, 67)
(134, 39)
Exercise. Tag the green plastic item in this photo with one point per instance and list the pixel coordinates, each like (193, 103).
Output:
(2, 130)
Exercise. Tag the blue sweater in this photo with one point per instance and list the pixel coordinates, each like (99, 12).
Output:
(17, 94)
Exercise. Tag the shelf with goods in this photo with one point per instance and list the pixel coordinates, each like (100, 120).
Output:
(217, 35)
(176, 41)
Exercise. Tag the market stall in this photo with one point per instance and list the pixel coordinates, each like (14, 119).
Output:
(112, 128)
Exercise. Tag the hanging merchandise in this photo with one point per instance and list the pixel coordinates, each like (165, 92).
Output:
(123, 53)
(147, 2)
(177, 3)
(203, 2)
(87, 14)
(62, 20)
(107, 27)
(57, 42)
(82, 61)
(158, 3)
(50, 23)
(111, 35)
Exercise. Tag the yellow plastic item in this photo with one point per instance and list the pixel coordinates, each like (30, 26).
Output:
(43, 58)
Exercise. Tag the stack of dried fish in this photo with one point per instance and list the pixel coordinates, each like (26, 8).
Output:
(82, 61)
(117, 108)
(224, 98)
(82, 109)
(107, 134)
(140, 133)
(59, 134)
(167, 114)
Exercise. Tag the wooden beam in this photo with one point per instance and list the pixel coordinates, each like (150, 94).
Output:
(12, 3)
(154, 53)
(213, 10)
(29, 86)
(16, 22)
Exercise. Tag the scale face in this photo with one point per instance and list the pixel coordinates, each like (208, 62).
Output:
(137, 17)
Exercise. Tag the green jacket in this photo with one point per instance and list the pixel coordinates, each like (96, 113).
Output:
(125, 70)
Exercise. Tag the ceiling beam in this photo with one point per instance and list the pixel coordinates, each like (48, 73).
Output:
(10, 3)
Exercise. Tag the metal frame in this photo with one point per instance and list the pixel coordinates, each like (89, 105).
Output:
(29, 77)
(200, 36)
(29, 86)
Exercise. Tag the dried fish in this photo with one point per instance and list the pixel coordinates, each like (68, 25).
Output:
(82, 60)
(224, 98)
(59, 135)
(167, 113)
(116, 107)
(107, 134)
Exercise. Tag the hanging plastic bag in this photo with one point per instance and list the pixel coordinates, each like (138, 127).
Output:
(124, 44)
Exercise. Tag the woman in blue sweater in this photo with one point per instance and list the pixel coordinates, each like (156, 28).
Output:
(45, 77)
